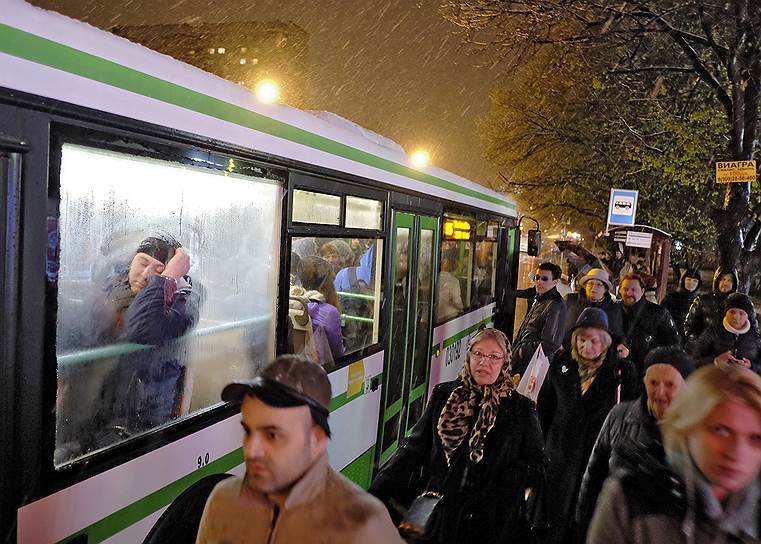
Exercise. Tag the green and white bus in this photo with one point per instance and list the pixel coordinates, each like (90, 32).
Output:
(104, 142)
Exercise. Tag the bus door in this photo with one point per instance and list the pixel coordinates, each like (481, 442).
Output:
(408, 357)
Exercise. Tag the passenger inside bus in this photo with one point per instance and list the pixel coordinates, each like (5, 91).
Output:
(450, 298)
(324, 308)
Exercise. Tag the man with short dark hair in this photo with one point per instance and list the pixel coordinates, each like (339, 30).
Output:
(646, 324)
(289, 493)
(634, 423)
(544, 323)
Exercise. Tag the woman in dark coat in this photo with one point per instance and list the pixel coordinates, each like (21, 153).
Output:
(734, 339)
(678, 302)
(478, 443)
(708, 308)
(581, 387)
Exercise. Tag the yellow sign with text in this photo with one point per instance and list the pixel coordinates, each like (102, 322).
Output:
(735, 171)
(356, 378)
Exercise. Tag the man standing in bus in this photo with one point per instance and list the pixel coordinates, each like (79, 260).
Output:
(544, 323)
(289, 492)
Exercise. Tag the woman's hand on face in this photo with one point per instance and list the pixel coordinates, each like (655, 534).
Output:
(178, 265)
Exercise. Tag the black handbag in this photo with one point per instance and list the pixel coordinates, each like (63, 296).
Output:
(422, 519)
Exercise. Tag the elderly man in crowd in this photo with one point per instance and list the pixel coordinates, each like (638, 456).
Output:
(634, 422)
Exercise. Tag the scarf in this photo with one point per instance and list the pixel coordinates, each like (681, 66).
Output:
(588, 369)
(739, 514)
(730, 328)
(454, 421)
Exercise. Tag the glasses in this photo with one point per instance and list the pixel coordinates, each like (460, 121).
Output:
(491, 357)
(544, 278)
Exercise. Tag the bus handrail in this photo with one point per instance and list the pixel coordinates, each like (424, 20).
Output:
(124, 348)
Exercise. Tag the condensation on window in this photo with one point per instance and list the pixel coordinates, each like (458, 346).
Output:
(335, 296)
(166, 292)
(364, 213)
(311, 207)
(485, 273)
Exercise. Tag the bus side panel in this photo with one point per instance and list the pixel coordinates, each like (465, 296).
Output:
(450, 341)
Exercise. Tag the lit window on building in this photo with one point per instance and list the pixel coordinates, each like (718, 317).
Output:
(192, 51)
(243, 49)
(243, 61)
(212, 51)
(254, 61)
(221, 50)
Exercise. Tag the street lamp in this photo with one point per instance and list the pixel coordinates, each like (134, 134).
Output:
(420, 158)
(267, 91)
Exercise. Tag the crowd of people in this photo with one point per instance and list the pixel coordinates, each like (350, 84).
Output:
(647, 429)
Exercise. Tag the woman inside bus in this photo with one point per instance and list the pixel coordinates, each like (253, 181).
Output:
(151, 302)
(324, 308)
(583, 384)
(478, 443)
(708, 490)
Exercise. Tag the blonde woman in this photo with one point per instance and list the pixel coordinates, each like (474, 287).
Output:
(708, 491)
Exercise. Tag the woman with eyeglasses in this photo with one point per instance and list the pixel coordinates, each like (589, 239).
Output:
(582, 385)
(478, 443)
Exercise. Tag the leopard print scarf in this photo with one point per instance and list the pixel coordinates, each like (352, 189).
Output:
(453, 425)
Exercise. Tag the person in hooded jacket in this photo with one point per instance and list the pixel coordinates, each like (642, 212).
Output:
(708, 308)
(708, 489)
(595, 291)
(478, 443)
(582, 385)
(735, 339)
(678, 302)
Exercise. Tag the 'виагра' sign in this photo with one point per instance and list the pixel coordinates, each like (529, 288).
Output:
(735, 172)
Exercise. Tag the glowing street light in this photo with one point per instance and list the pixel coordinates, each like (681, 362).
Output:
(420, 158)
(267, 91)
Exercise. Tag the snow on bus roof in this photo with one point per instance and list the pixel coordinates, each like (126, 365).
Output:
(169, 76)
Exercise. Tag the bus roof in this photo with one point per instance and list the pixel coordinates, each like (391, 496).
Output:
(53, 56)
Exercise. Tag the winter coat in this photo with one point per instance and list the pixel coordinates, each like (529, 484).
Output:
(627, 423)
(571, 422)
(717, 340)
(543, 325)
(646, 326)
(485, 507)
(646, 503)
(678, 302)
(575, 303)
(146, 388)
(708, 308)
(322, 507)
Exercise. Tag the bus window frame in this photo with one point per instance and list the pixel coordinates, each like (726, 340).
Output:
(128, 140)
(319, 183)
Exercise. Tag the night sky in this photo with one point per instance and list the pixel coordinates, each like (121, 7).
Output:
(394, 66)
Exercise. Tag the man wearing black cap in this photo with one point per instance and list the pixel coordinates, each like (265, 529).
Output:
(634, 422)
(289, 493)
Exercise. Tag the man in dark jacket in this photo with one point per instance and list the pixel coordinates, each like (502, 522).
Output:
(708, 308)
(734, 339)
(543, 324)
(646, 325)
(633, 422)
(595, 288)
(678, 302)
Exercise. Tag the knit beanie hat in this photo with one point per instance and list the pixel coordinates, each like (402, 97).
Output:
(670, 355)
(741, 301)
